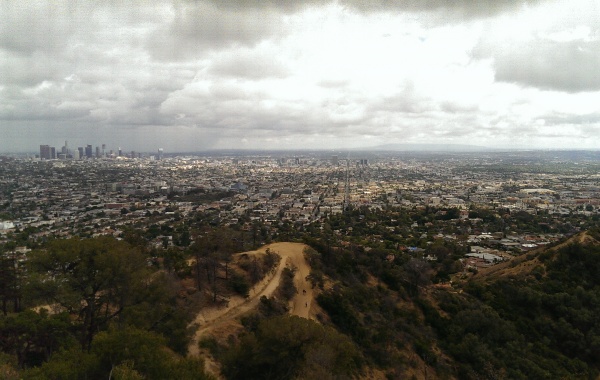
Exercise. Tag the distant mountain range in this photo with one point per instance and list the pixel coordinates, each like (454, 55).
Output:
(431, 148)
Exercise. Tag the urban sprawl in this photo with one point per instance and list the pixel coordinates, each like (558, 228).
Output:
(496, 205)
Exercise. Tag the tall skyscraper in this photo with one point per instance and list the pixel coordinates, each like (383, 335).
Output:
(53, 153)
(120, 152)
(45, 152)
(80, 149)
(88, 151)
(160, 153)
(97, 152)
(103, 149)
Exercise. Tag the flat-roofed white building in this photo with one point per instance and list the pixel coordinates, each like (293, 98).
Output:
(6, 225)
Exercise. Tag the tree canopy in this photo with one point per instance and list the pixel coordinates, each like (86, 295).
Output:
(93, 279)
(290, 347)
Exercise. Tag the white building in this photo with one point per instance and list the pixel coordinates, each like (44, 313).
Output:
(6, 225)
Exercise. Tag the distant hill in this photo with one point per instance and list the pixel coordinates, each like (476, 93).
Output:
(432, 148)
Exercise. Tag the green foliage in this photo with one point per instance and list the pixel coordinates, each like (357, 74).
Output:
(70, 364)
(8, 372)
(99, 284)
(271, 307)
(271, 259)
(239, 284)
(141, 348)
(542, 326)
(211, 344)
(33, 337)
(342, 313)
(125, 371)
(417, 273)
(10, 282)
(287, 288)
(159, 312)
(290, 347)
(127, 353)
(94, 279)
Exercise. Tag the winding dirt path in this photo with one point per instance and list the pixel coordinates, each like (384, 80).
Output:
(215, 319)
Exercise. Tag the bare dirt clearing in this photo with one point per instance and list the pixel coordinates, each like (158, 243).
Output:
(223, 320)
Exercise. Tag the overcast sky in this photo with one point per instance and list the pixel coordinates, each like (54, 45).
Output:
(286, 74)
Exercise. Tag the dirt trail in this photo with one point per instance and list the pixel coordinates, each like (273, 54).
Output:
(214, 319)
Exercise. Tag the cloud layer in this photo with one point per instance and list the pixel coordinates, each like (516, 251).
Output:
(286, 74)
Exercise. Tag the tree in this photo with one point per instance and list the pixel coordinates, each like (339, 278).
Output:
(121, 354)
(417, 274)
(290, 347)
(92, 279)
(143, 349)
(210, 248)
(141, 354)
(33, 337)
(184, 238)
(10, 277)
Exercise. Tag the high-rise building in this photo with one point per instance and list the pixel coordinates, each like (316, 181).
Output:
(45, 152)
(88, 151)
(80, 149)
(103, 149)
(97, 152)
(334, 160)
(52, 152)
(160, 153)
(120, 152)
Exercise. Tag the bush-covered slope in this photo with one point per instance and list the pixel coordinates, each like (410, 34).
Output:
(538, 318)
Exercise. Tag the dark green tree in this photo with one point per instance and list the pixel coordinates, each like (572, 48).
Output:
(10, 282)
(32, 337)
(92, 279)
(290, 347)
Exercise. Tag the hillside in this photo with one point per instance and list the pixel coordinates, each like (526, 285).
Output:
(522, 266)
(323, 309)
(533, 317)
(217, 322)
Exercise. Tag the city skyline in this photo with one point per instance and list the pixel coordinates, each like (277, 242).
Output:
(195, 76)
(49, 152)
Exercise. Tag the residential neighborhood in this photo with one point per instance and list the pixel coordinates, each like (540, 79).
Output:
(495, 205)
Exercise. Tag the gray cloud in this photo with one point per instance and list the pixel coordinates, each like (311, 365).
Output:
(452, 8)
(30, 26)
(448, 10)
(191, 75)
(250, 65)
(571, 66)
(195, 28)
(557, 119)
